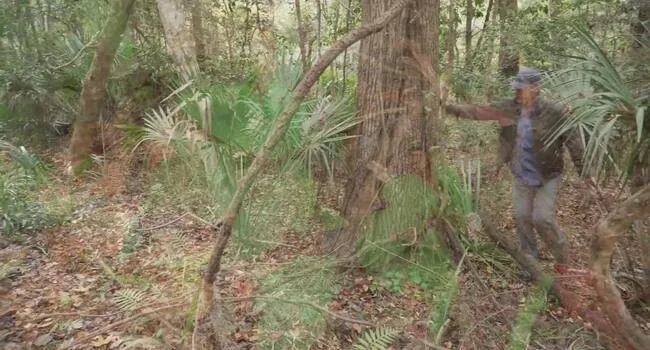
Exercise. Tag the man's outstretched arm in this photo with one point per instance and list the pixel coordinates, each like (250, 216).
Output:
(481, 112)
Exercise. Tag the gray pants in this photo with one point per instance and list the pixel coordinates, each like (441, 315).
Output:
(534, 209)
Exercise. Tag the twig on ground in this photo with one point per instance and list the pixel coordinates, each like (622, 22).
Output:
(81, 314)
(276, 243)
(415, 238)
(297, 302)
(165, 224)
(475, 325)
(77, 314)
(470, 265)
(430, 345)
(121, 322)
(443, 327)
(202, 220)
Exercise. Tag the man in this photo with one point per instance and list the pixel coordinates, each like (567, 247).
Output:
(537, 170)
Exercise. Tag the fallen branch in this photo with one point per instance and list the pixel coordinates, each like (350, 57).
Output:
(608, 230)
(164, 224)
(444, 326)
(119, 323)
(299, 303)
(568, 299)
(203, 332)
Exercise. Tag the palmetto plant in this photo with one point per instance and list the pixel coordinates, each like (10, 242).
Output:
(321, 132)
(609, 111)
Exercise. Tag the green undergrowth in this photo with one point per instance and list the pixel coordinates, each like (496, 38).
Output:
(401, 248)
(288, 323)
(278, 203)
(25, 205)
(528, 313)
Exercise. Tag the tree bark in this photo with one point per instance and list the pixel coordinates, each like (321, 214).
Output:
(608, 230)
(203, 334)
(197, 28)
(640, 27)
(508, 58)
(394, 73)
(554, 7)
(302, 38)
(451, 41)
(179, 41)
(488, 13)
(94, 88)
(469, 18)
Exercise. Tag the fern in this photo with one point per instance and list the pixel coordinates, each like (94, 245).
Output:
(376, 339)
(128, 299)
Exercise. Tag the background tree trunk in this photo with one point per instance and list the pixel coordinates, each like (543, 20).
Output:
(469, 18)
(390, 97)
(451, 39)
(554, 7)
(94, 88)
(302, 38)
(640, 27)
(197, 28)
(178, 39)
(508, 58)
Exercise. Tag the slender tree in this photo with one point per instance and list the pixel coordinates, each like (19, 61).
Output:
(508, 57)
(178, 39)
(197, 28)
(93, 93)
(469, 19)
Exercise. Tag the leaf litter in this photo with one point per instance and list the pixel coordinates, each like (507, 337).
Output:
(66, 288)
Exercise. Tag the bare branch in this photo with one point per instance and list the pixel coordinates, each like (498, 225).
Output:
(261, 159)
(608, 230)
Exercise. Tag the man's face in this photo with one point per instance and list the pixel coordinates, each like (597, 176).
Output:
(529, 94)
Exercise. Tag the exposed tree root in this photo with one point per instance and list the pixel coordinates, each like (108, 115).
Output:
(608, 230)
(575, 291)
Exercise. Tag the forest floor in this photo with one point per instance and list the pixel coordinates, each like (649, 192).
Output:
(132, 247)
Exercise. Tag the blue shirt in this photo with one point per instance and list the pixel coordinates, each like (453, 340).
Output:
(525, 163)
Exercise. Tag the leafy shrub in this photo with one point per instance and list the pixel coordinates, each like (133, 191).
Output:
(17, 180)
(291, 325)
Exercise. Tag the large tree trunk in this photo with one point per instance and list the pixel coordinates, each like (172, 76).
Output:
(390, 95)
(178, 39)
(204, 335)
(508, 58)
(94, 87)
